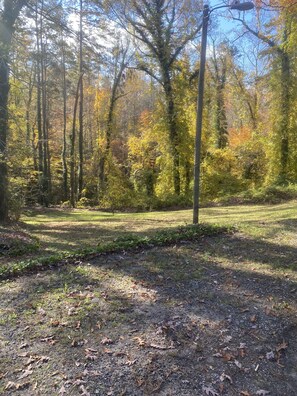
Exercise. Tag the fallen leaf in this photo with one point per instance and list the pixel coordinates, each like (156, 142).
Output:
(77, 343)
(253, 318)
(50, 340)
(227, 339)
(26, 373)
(95, 373)
(72, 311)
(91, 357)
(84, 391)
(91, 350)
(228, 356)
(209, 391)
(10, 385)
(237, 364)
(62, 390)
(270, 355)
(140, 341)
(282, 346)
(106, 341)
(25, 354)
(43, 359)
(245, 393)
(130, 362)
(225, 377)
(161, 347)
(16, 386)
(31, 360)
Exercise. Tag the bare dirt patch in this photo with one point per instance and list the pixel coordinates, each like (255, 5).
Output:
(215, 317)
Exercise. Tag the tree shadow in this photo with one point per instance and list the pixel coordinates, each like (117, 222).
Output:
(172, 319)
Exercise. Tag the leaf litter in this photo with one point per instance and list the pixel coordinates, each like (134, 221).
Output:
(139, 326)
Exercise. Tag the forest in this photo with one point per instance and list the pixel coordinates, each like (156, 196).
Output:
(98, 103)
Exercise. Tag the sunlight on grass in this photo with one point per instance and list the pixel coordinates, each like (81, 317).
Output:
(64, 230)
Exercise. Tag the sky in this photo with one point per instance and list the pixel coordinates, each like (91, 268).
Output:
(223, 27)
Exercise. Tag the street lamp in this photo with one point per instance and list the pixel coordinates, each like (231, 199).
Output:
(237, 5)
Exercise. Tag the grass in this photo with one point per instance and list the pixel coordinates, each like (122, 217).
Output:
(127, 242)
(66, 230)
(73, 234)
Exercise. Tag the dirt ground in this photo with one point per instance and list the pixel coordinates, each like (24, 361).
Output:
(214, 317)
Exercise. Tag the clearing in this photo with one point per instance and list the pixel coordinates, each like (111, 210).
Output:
(211, 317)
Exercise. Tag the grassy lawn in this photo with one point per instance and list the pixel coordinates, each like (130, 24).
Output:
(67, 230)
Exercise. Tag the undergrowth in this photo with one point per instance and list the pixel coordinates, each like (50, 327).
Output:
(274, 194)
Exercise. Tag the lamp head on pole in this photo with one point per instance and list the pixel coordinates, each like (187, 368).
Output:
(245, 6)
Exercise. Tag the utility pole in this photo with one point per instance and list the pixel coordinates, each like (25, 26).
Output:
(206, 12)
(237, 5)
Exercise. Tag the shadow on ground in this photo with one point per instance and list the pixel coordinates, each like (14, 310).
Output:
(216, 316)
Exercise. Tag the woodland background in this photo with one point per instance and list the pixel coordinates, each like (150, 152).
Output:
(102, 103)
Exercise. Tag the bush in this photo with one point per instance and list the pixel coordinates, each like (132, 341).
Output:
(66, 205)
(273, 194)
(220, 175)
(84, 203)
(16, 198)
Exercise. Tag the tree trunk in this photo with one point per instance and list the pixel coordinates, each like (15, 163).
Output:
(73, 189)
(39, 108)
(221, 119)
(45, 159)
(285, 116)
(109, 122)
(64, 149)
(173, 132)
(4, 90)
(81, 108)
(8, 17)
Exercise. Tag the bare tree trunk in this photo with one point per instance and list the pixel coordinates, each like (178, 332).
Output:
(73, 189)
(4, 90)
(45, 159)
(39, 108)
(81, 109)
(64, 149)
(8, 16)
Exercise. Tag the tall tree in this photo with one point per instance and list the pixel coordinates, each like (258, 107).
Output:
(278, 43)
(8, 16)
(81, 104)
(165, 27)
(117, 65)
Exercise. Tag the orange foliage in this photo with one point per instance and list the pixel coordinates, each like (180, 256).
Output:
(239, 136)
(276, 3)
(145, 118)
